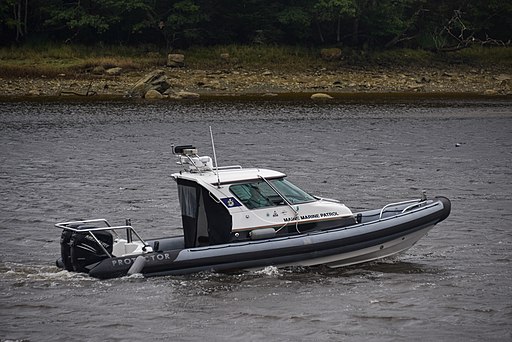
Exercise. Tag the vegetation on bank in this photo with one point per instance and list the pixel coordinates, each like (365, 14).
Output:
(54, 59)
(80, 60)
(52, 37)
(438, 25)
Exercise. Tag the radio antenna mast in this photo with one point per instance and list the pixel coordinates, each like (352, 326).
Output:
(215, 158)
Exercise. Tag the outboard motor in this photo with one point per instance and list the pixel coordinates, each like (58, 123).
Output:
(65, 250)
(79, 250)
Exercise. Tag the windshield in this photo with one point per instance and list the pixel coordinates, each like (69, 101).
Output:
(259, 194)
(291, 192)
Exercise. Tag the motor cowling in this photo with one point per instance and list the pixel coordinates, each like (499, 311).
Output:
(80, 250)
(65, 250)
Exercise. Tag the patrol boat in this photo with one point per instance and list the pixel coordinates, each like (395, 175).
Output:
(237, 218)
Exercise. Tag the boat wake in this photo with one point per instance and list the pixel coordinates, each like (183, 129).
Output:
(270, 271)
(31, 273)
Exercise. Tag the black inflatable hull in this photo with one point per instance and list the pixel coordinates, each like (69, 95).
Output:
(373, 238)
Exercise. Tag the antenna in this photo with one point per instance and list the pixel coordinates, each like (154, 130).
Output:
(215, 158)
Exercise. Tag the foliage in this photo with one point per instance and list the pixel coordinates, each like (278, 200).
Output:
(54, 59)
(58, 60)
(438, 25)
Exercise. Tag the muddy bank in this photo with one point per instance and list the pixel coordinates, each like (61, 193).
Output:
(224, 83)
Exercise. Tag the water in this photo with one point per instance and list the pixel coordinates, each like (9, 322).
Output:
(65, 161)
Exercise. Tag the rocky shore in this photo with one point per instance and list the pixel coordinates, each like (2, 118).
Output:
(183, 82)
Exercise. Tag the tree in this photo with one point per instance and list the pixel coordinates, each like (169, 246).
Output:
(389, 22)
(181, 23)
(454, 25)
(296, 22)
(435, 24)
(14, 14)
(328, 11)
(89, 18)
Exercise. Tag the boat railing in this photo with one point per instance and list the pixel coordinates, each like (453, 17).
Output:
(77, 227)
(415, 203)
(230, 167)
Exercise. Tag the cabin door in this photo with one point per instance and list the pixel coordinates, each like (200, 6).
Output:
(206, 221)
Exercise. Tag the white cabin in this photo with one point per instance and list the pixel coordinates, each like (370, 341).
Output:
(224, 204)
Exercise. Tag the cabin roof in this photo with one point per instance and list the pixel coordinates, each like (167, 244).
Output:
(231, 175)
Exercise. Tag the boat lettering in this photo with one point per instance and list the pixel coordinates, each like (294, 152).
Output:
(158, 257)
(312, 216)
(125, 261)
(131, 260)
(329, 214)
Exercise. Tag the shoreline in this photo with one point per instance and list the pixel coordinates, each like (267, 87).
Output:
(375, 97)
(341, 84)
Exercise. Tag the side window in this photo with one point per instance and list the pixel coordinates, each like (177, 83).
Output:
(256, 195)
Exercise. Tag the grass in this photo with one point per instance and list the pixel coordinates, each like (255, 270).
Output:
(77, 60)
(485, 56)
(473, 57)
(283, 58)
(51, 60)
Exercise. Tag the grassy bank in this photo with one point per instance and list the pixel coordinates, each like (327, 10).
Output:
(51, 60)
(76, 60)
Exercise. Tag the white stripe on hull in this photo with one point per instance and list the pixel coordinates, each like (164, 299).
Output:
(367, 254)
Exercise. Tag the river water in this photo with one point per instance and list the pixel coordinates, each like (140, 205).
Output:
(79, 160)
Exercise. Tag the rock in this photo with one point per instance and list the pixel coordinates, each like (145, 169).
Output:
(507, 83)
(330, 54)
(267, 73)
(98, 70)
(114, 71)
(503, 77)
(184, 95)
(34, 92)
(423, 79)
(321, 96)
(188, 95)
(449, 74)
(155, 80)
(419, 87)
(175, 60)
(153, 94)
(490, 92)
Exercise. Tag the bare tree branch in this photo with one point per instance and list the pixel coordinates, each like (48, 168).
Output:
(462, 37)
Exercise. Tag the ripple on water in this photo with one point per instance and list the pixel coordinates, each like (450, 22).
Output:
(113, 160)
